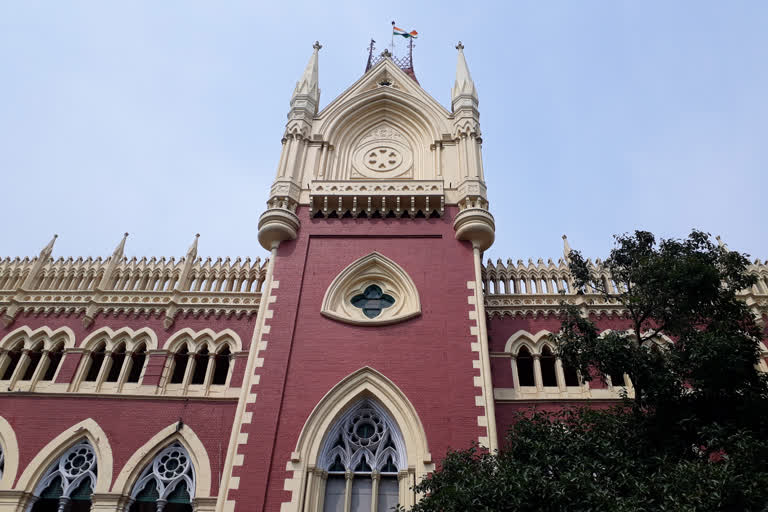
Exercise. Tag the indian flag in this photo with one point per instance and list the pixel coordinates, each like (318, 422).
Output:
(400, 32)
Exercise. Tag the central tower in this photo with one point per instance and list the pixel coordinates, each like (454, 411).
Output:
(370, 356)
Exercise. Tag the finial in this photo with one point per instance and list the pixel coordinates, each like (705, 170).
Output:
(125, 235)
(317, 46)
(721, 243)
(460, 46)
(386, 54)
(566, 247)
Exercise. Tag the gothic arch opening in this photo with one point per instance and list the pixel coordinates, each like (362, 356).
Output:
(351, 404)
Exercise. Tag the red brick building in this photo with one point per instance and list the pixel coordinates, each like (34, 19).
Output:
(331, 376)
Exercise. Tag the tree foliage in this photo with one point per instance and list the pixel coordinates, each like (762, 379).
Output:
(695, 434)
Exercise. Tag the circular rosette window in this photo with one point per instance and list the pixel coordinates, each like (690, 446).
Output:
(374, 290)
(382, 159)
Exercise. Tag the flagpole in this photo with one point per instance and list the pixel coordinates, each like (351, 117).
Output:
(393, 39)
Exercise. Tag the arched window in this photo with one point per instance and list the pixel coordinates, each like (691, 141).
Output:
(54, 360)
(201, 366)
(221, 370)
(525, 367)
(167, 484)
(137, 363)
(68, 483)
(366, 444)
(118, 358)
(548, 371)
(12, 360)
(180, 359)
(97, 359)
(34, 356)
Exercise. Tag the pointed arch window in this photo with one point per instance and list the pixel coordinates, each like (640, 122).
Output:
(221, 370)
(137, 363)
(167, 484)
(68, 483)
(34, 356)
(180, 360)
(363, 455)
(97, 360)
(118, 359)
(548, 370)
(54, 360)
(525, 367)
(11, 361)
(201, 366)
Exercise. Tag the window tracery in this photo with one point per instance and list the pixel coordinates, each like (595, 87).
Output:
(363, 454)
(167, 484)
(68, 483)
(373, 290)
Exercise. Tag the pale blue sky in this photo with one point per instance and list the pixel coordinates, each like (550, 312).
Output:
(164, 119)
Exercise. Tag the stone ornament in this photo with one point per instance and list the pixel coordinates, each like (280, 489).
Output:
(364, 437)
(342, 302)
(72, 469)
(382, 153)
(171, 467)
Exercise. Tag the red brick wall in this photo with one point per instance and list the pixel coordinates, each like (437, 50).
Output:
(128, 423)
(427, 357)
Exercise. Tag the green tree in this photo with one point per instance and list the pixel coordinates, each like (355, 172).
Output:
(694, 437)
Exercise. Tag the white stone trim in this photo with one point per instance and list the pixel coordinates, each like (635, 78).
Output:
(364, 383)
(127, 477)
(375, 268)
(10, 448)
(86, 429)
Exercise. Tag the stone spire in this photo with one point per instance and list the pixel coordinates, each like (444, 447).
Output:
(464, 87)
(306, 95)
(566, 248)
(188, 262)
(45, 255)
(114, 260)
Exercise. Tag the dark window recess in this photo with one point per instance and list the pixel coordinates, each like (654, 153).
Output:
(372, 301)
(221, 370)
(34, 359)
(548, 375)
(201, 367)
(97, 359)
(138, 365)
(54, 360)
(525, 367)
(13, 356)
(179, 366)
(118, 358)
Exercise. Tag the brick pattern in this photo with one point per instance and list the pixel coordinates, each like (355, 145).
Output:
(246, 420)
(474, 330)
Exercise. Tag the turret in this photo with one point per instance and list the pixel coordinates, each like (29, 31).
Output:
(473, 223)
(280, 222)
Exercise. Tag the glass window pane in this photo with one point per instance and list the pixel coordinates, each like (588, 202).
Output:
(334, 494)
(388, 494)
(362, 492)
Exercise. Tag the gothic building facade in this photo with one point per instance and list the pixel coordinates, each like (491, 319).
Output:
(331, 375)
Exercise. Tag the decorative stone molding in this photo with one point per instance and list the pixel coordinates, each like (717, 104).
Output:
(380, 198)
(306, 486)
(278, 224)
(476, 225)
(137, 286)
(374, 269)
(520, 289)
(382, 153)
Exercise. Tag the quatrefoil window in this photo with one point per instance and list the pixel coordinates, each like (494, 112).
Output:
(372, 301)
